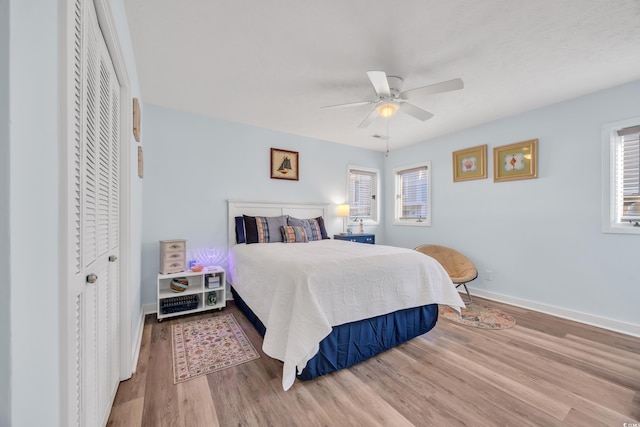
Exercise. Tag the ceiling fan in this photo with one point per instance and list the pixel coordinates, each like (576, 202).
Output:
(390, 99)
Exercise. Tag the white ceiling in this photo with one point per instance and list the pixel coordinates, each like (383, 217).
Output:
(274, 64)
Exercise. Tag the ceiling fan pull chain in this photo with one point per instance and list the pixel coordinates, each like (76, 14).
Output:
(387, 153)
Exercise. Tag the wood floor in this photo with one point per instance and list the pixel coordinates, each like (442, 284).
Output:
(545, 371)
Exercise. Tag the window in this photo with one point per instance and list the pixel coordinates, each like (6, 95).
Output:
(363, 193)
(413, 195)
(621, 176)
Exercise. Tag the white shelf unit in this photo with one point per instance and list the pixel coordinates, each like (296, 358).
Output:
(197, 287)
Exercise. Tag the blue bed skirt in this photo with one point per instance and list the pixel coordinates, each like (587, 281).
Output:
(354, 342)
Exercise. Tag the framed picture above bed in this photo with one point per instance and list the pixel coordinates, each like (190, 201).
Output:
(284, 164)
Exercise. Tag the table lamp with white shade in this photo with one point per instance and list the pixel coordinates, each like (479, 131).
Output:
(344, 211)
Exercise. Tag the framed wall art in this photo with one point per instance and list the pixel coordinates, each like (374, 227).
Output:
(140, 163)
(136, 119)
(284, 164)
(516, 161)
(470, 163)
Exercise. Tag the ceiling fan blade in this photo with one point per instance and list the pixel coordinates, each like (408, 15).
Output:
(349, 104)
(367, 121)
(447, 86)
(414, 111)
(380, 82)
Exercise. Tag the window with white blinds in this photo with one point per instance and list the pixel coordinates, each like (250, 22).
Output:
(621, 176)
(363, 193)
(413, 195)
(628, 173)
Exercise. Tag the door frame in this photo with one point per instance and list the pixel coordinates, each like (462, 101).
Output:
(107, 25)
(66, 22)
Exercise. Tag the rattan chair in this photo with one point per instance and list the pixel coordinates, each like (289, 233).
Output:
(459, 268)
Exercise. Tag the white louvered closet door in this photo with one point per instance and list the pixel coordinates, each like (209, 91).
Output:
(94, 294)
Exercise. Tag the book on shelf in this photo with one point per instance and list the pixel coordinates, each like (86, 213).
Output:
(212, 281)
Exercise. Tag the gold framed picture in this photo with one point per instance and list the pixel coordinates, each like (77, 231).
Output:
(516, 161)
(284, 164)
(140, 163)
(470, 163)
(136, 119)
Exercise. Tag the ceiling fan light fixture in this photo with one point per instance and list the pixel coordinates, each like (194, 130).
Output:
(387, 109)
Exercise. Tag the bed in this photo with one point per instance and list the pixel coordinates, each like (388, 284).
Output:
(323, 304)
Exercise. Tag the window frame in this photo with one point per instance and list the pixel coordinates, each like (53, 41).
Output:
(375, 191)
(610, 211)
(397, 173)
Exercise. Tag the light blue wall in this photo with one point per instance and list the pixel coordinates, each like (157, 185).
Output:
(194, 164)
(542, 237)
(5, 301)
(33, 208)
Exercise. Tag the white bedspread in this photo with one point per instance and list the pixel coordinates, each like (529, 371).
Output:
(300, 290)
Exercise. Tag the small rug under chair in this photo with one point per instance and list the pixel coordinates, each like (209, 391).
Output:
(208, 345)
(479, 316)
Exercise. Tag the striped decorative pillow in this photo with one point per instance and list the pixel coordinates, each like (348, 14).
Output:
(323, 230)
(313, 226)
(316, 232)
(293, 234)
(261, 229)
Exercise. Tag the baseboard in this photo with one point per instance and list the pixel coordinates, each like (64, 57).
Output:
(138, 342)
(576, 316)
(149, 309)
(146, 309)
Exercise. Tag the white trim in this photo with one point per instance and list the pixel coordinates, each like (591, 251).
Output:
(396, 187)
(576, 316)
(138, 341)
(65, 120)
(110, 34)
(378, 191)
(609, 142)
(149, 309)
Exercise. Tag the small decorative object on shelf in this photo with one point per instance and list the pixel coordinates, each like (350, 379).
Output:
(173, 256)
(179, 284)
(212, 280)
(212, 298)
(200, 291)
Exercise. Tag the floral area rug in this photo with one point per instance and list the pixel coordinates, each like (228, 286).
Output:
(479, 316)
(209, 345)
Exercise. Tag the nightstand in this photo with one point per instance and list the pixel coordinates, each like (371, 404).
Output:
(359, 238)
(206, 290)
